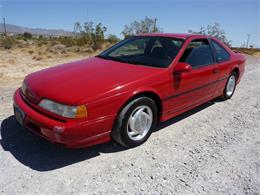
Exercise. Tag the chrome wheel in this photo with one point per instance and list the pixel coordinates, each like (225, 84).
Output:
(231, 84)
(139, 123)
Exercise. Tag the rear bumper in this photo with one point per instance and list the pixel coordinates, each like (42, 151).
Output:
(72, 133)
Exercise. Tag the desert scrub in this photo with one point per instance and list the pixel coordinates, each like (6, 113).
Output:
(7, 42)
(37, 58)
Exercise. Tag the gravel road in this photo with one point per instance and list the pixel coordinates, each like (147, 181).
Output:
(213, 149)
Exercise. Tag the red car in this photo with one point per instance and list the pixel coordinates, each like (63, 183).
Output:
(126, 90)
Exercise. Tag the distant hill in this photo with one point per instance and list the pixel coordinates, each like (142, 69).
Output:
(13, 29)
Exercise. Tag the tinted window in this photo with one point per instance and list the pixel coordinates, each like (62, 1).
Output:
(150, 51)
(221, 53)
(198, 53)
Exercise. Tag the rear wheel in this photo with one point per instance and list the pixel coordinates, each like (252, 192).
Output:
(230, 86)
(135, 122)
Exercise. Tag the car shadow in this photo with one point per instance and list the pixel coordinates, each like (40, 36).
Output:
(187, 114)
(41, 155)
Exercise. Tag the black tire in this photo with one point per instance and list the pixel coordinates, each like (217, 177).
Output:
(225, 95)
(119, 132)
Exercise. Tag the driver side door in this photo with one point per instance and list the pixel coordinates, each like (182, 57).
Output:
(191, 88)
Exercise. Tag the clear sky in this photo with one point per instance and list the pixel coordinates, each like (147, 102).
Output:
(237, 17)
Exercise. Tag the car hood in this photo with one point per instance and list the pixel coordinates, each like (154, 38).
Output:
(86, 80)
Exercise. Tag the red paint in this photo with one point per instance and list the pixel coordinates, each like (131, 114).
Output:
(105, 86)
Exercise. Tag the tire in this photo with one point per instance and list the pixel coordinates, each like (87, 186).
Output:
(230, 86)
(135, 115)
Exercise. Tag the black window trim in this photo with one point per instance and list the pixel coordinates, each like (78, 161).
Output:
(212, 46)
(212, 52)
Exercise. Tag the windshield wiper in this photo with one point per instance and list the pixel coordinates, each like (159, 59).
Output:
(122, 59)
(138, 63)
(119, 59)
(101, 56)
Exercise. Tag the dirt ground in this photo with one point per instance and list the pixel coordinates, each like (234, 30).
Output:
(213, 149)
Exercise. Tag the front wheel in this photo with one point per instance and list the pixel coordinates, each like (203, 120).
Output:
(135, 122)
(230, 86)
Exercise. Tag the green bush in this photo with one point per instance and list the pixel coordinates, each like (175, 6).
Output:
(27, 36)
(112, 39)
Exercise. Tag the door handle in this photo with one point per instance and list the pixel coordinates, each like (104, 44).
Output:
(215, 71)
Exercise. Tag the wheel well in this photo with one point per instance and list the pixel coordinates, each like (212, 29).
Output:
(151, 95)
(236, 70)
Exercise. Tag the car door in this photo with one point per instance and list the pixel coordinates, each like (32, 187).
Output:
(224, 65)
(198, 85)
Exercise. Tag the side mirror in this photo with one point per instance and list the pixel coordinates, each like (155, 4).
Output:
(182, 67)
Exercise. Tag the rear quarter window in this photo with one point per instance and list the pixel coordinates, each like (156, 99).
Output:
(221, 54)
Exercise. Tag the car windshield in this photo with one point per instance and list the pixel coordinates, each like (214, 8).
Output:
(149, 51)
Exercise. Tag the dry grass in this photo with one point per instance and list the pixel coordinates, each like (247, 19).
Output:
(21, 60)
(248, 51)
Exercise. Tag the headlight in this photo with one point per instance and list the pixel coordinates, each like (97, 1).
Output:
(64, 110)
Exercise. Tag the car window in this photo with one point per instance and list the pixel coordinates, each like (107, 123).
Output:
(221, 54)
(149, 51)
(135, 47)
(198, 53)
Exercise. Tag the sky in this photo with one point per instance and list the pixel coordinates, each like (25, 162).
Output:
(237, 17)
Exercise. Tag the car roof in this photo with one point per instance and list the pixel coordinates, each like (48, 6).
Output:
(174, 35)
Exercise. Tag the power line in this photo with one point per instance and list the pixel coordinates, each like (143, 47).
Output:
(4, 27)
(248, 36)
(154, 27)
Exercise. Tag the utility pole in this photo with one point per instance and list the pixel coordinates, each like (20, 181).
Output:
(248, 36)
(4, 27)
(154, 27)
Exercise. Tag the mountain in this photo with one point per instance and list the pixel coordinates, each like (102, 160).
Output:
(13, 29)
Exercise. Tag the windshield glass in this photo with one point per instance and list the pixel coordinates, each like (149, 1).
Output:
(150, 51)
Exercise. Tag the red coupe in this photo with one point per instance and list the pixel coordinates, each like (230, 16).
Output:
(126, 90)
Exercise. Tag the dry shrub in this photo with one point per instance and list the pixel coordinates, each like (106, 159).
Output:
(57, 49)
(7, 42)
(22, 44)
(249, 51)
(40, 43)
(11, 61)
(77, 49)
(37, 58)
(88, 50)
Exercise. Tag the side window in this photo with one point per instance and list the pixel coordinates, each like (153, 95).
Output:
(198, 53)
(164, 48)
(221, 54)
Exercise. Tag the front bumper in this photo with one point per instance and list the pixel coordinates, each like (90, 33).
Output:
(72, 133)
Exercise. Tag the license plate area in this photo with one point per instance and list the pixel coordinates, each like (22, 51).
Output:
(19, 115)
